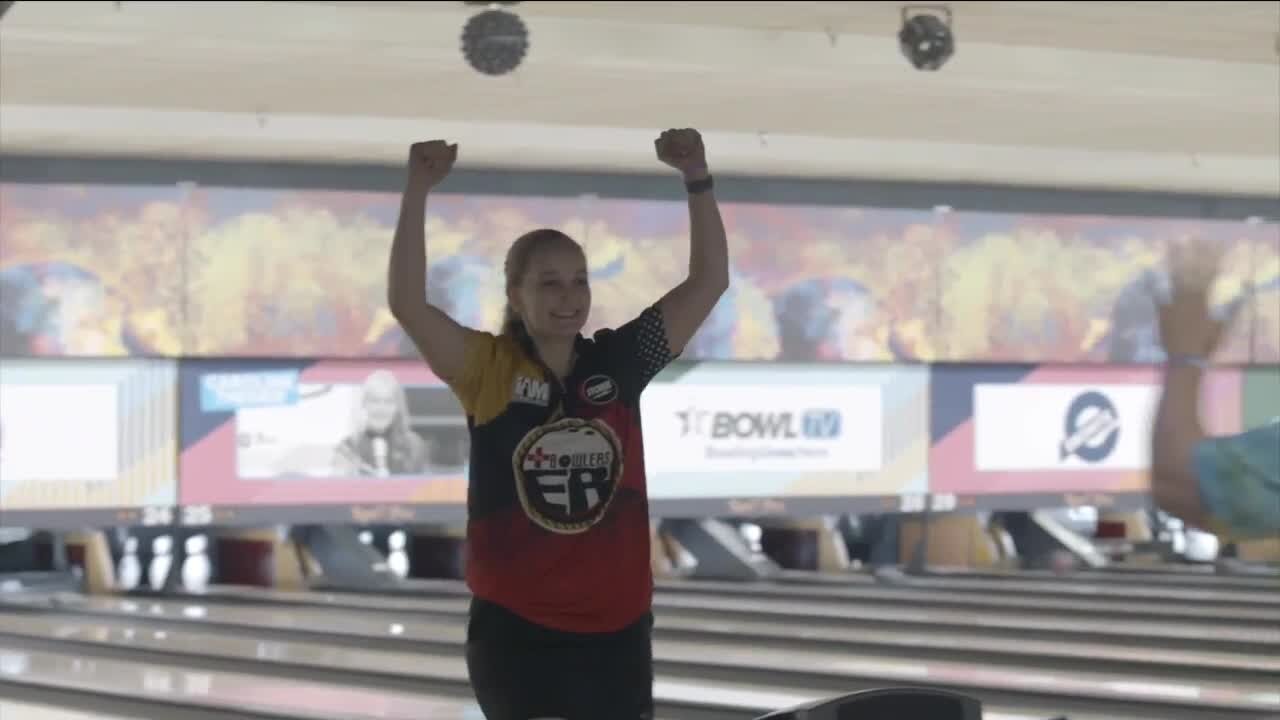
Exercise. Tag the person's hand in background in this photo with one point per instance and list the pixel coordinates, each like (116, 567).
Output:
(1189, 334)
(1227, 484)
(1188, 329)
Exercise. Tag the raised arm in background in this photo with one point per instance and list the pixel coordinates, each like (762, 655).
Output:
(440, 339)
(687, 305)
(1190, 335)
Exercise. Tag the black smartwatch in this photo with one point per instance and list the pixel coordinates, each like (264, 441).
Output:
(699, 186)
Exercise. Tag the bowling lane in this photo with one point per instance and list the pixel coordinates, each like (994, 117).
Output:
(675, 660)
(451, 599)
(976, 648)
(1204, 636)
(249, 696)
(972, 646)
(869, 595)
(1031, 586)
(836, 670)
(1183, 576)
(1102, 592)
(15, 710)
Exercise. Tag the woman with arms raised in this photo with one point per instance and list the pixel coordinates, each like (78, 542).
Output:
(558, 520)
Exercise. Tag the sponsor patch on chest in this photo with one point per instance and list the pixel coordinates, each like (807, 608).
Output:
(531, 391)
(599, 390)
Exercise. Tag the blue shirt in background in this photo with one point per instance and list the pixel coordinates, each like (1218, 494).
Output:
(1240, 483)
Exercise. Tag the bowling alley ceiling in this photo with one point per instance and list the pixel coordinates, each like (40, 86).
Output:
(1131, 95)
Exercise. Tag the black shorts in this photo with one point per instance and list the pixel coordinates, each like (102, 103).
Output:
(521, 671)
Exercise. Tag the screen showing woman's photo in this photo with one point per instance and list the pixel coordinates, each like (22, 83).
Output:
(379, 428)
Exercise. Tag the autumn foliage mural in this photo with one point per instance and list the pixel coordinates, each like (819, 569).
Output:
(208, 271)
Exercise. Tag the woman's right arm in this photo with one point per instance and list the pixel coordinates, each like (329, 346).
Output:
(440, 339)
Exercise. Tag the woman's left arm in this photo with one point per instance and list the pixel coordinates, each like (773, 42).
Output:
(688, 304)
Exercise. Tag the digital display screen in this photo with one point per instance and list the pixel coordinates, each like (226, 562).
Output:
(323, 432)
(742, 432)
(1038, 429)
(81, 434)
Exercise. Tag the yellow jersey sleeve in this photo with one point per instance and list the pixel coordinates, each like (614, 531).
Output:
(481, 353)
(484, 385)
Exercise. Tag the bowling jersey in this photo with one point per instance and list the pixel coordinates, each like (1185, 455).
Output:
(1239, 478)
(558, 515)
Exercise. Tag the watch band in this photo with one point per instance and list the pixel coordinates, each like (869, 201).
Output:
(1196, 361)
(699, 186)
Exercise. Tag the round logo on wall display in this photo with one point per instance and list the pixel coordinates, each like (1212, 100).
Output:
(567, 473)
(1091, 429)
(599, 390)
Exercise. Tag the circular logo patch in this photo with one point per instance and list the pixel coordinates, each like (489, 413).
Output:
(566, 473)
(1092, 428)
(599, 390)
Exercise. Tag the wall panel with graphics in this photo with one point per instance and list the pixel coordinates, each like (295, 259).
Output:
(270, 272)
(91, 270)
(320, 441)
(1264, 315)
(1077, 288)
(748, 439)
(226, 270)
(1261, 396)
(87, 442)
(1027, 436)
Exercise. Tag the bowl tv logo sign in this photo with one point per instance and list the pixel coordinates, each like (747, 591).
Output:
(1091, 428)
(787, 430)
(761, 437)
(813, 424)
